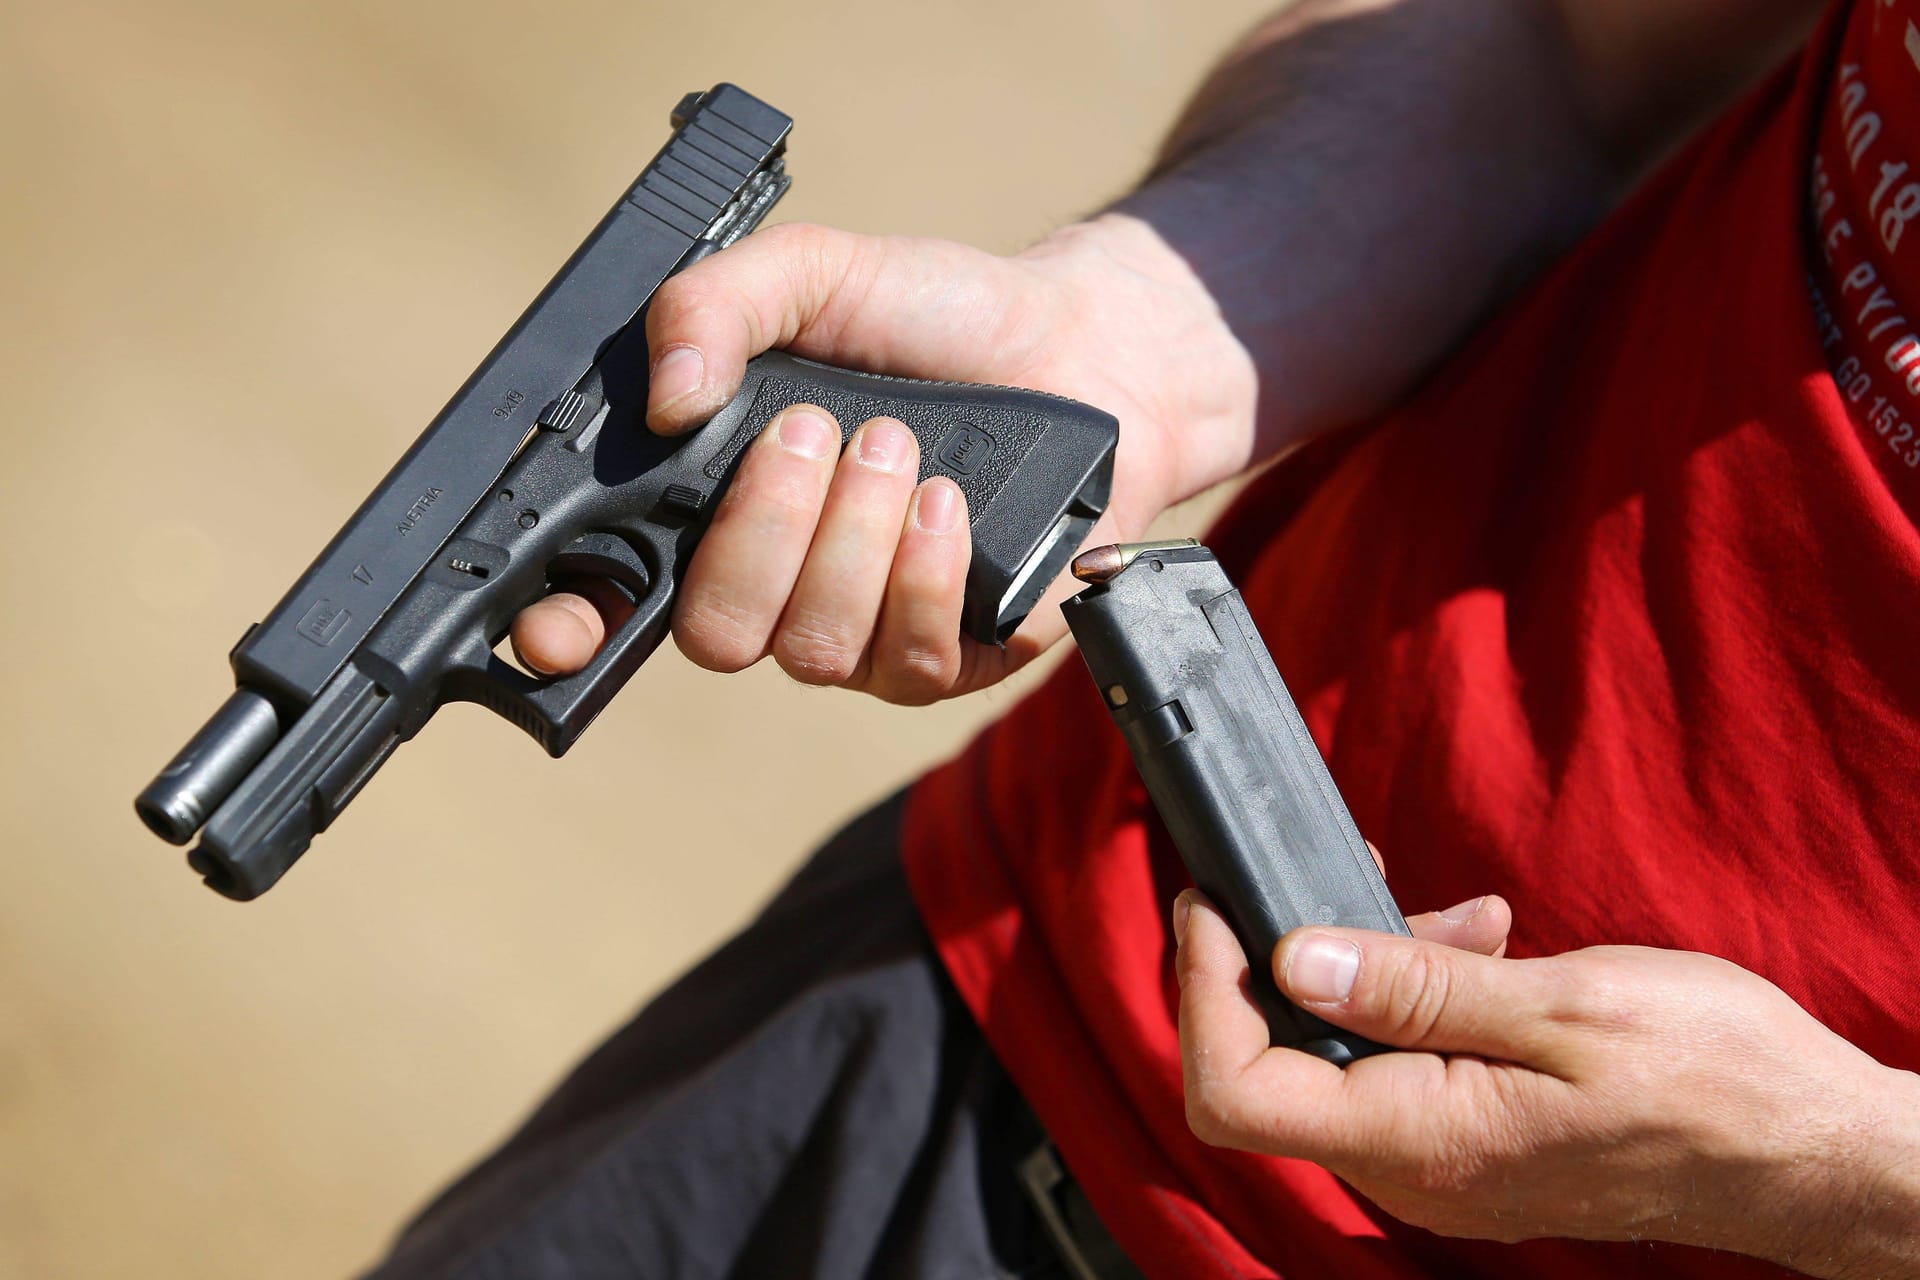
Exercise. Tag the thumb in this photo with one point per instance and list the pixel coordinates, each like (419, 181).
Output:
(1423, 995)
(707, 322)
(915, 308)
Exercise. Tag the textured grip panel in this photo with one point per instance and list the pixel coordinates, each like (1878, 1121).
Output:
(1036, 469)
(941, 429)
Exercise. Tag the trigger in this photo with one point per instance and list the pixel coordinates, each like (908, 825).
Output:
(602, 555)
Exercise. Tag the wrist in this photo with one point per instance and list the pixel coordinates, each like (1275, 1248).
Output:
(1860, 1190)
(1147, 333)
(1883, 1224)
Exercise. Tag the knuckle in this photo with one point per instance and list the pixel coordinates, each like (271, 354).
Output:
(805, 240)
(778, 495)
(814, 653)
(793, 237)
(916, 676)
(1208, 1117)
(1595, 994)
(1578, 1000)
(715, 636)
(1416, 991)
(676, 304)
(806, 252)
(869, 510)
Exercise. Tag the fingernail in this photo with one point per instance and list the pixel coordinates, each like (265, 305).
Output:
(1323, 970)
(1182, 908)
(883, 445)
(1464, 912)
(675, 375)
(936, 509)
(807, 435)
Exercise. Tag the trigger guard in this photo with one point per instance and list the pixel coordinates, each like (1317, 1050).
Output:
(602, 555)
(555, 710)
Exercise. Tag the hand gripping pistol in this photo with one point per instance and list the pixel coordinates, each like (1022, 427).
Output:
(541, 469)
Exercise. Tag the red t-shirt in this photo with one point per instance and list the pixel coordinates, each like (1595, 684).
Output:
(1620, 618)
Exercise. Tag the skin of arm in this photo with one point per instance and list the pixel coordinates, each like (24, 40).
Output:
(1358, 184)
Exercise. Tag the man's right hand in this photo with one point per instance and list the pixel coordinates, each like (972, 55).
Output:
(839, 565)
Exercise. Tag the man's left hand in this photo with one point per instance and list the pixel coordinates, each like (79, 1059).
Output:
(1612, 1093)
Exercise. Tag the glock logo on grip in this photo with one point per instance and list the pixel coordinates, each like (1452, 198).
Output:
(323, 622)
(965, 449)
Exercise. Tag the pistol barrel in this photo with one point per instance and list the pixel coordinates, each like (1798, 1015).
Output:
(178, 802)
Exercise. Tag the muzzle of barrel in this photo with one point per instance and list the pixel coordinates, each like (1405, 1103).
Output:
(178, 802)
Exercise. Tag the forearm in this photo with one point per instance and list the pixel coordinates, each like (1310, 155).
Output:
(1361, 181)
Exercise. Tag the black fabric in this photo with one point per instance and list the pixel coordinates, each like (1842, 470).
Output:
(812, 1101)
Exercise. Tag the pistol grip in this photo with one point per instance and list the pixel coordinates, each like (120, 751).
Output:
(1036, 469)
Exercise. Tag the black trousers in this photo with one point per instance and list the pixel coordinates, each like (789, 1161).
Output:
(811, 1101)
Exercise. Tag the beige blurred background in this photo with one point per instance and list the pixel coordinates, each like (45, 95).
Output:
(248, 251)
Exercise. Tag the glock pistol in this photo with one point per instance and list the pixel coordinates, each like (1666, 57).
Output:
(1228, 763)
(541, 469)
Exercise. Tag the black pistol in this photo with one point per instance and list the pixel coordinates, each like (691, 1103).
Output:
(1229, 763)
(541, 469)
